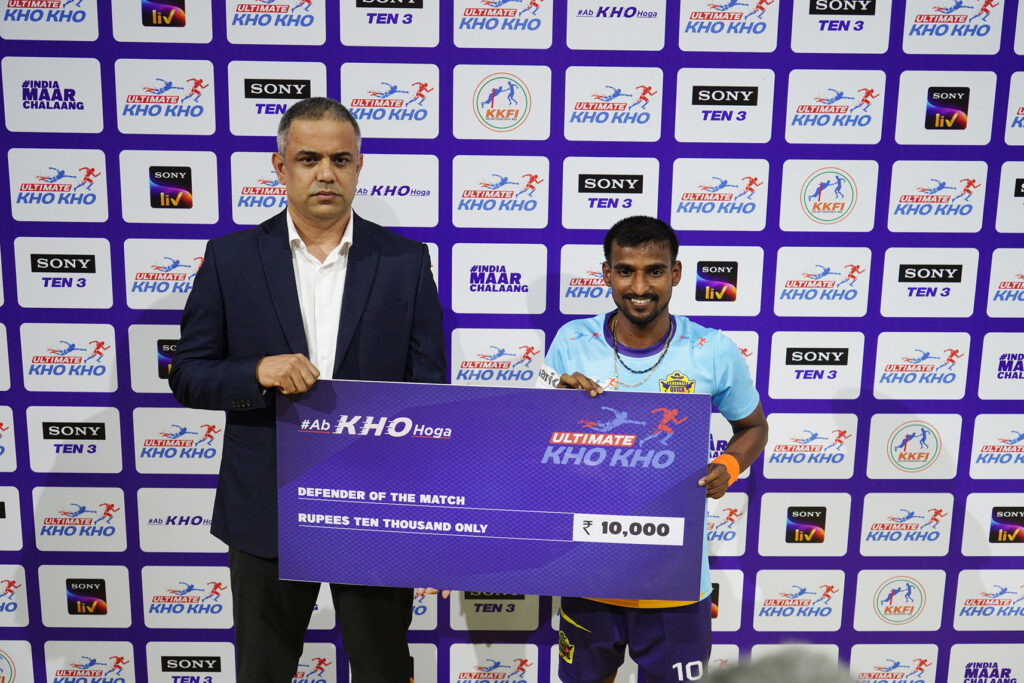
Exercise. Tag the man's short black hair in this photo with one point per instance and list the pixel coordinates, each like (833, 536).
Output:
(314, 109)
(637, 230)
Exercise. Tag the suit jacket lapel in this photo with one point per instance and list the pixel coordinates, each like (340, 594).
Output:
(362, 266)
(276, 257)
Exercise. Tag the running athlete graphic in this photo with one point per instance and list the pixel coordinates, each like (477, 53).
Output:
(985, 10)
(269, 182)
(936, 515)
(58, 174)
(720, 184)
(865, 101)
(87, 664)
(520, 669)
(534, 6)
(722, 7)
(91, 174)
(185, 589)
(510, 94)
(841, 435)
(304, 4)
(98, 348)
(810, 438)
(160, 90)
(922, 664)
(421, 94)
(321, 664)
(10, 585)
(920, 358)
(852, 272)
(905, 517)
(108, 513)
(388, 91)
(940, 185)
(498, 353)
(967, 191)
(731, 515)
(527, 356)
(747, 353)
(798, 593)
(958, 5)
(502, 182)
(759, 9)
(641, 99)
(1018, 437)
(494, 665)
(821, 274)
(198, 86)
(668, 416)
(117, 665)
(68, 348)
(952, 356)
(172, 264)
(751, 183)
(178, 432)
(836, 96)
(827, 591)
(615, 93)
(78, 511)
(215, 588)
(908, 592)
(210, 430)
(531, 183)
(893, 665)
(1003, 590)
(621, 418)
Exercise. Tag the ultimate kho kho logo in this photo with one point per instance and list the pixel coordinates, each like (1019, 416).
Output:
(503, 102)
(588, 444)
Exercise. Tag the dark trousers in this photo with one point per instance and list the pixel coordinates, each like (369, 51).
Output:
(271, 617)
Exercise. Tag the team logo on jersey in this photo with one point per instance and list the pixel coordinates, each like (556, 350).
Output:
(828, 195)
(1007, 525)
(899, 600)
(70, 358)
(501, 193)
(160, 13)
(499, 363)
(914, 446)
(502, 102)
(588, 284)
(812, 447)
(677, 383)
(163, 97)
(91, 670)
(188, 598)
(87, 596)
(181, 442)
(721, 195)
(825, 283)
(402, 102)
(60, 185)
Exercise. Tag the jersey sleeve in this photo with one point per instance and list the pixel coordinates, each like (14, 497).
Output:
(735, 395)
(555, 361)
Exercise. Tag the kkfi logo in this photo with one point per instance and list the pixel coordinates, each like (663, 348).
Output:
(719, 195)
(266, 192)
(169, 274)
(804, 447)
(392, 102)
(181, 442)
(612, 104)
(923, 367)
(836, 108)
(188, 598)
(1003, 450)
(491, 670)
(716, 280)
(86, 596)
(901, 526)
(92, 669)
(273, 12)
(498, 363)
(502, 101)
(955, 19)
(159, 98)
(890, 671)
(914, 446)
(588, 284)
(8, 672)
(727, 18)
(161, 13)
(946, 108)
(75, 519)
(501, 193)
(57, 185)
(899, 600)
(1007, 525)
(1011, 366)
(316, 667)
(601, 431)
(997, 601)
(170, 187)
(805, 524)
(939, 197)
(1010, 290)
(48, 95)
(721, 526)
(68, 358)
(493, 15)
(48, 11)
(828, 195)
(825, 283)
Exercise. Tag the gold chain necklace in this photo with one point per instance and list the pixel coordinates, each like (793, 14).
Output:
(650, 370)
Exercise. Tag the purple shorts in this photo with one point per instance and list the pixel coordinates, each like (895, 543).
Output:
(669, 644)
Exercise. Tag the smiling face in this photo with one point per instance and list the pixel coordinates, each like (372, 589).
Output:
(641, 279)
(320, 169)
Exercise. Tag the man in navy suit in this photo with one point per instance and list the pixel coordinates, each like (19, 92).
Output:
(315, 291)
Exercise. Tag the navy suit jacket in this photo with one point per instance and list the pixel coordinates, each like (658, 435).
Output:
(244, 305)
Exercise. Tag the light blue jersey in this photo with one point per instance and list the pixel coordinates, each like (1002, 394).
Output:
(699, 360)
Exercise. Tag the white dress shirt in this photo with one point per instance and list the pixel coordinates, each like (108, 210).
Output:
(320, 286)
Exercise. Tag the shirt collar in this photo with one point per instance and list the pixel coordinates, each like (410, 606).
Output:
(295, 242)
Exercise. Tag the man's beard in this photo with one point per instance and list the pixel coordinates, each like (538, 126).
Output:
(650, 317)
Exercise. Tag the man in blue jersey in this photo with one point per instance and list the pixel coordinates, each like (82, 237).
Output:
(637, 347)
